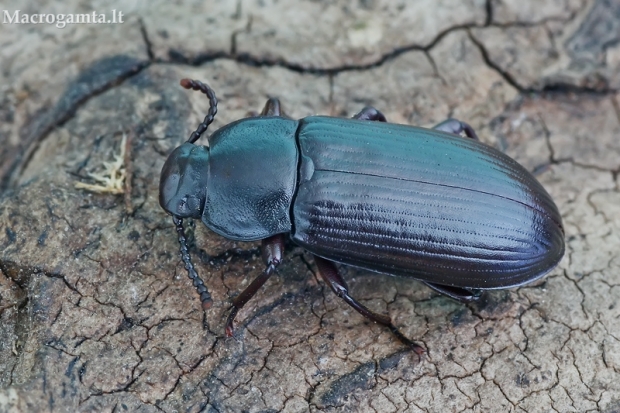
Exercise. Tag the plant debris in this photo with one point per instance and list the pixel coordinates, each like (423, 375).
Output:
(112, 179)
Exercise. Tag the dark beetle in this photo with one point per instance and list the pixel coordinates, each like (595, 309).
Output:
(428, 204)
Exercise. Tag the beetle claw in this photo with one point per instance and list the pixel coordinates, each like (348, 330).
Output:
(419, 350)
(229, 330)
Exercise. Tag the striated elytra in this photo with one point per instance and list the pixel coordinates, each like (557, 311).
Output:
(428, 204)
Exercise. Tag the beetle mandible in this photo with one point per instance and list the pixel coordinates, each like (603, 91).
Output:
(429, 204)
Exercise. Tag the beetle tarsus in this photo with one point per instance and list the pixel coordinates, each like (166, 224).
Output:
(229, 321)
(201, 288)
(239, 301)
(204, 88)
(370, 113)
(463, 295)
(332, 277)
(418, 349)
(272, 251)
(456, 127)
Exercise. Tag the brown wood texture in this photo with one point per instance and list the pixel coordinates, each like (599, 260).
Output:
(96, 310)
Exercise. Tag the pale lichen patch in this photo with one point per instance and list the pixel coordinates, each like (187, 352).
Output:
(112, 179)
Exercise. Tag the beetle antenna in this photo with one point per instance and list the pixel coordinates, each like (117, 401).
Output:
(205, 297)
(204, 88)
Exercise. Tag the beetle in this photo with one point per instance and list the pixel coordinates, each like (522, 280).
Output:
(429, 204)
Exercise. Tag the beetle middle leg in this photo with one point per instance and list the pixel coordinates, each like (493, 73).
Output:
(272, 250)
(456, 127)
(330, 275)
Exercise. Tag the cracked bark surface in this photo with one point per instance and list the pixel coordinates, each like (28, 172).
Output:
(97, 313)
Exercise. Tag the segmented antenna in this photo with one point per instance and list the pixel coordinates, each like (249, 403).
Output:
(205, 297)
(198, 85)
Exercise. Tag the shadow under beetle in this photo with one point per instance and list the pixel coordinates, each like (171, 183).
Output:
(428, 204)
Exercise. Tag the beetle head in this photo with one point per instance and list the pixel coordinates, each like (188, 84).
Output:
(183, 182)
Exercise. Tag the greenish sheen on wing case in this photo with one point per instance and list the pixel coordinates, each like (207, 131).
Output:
(422, 203)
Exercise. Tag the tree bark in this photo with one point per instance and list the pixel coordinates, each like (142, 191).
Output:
(97, 312)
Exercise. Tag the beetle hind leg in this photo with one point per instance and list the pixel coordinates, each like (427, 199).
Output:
(463, 295)
(370, 113)
(330, 275)
(456, 127)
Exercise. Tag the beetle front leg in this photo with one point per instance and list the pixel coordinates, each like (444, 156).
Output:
(370, 113)
(272, 251)
(456, 127)
(272, 108)
(330, 275)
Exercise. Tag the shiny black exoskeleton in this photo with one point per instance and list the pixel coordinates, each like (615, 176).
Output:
(428, 204)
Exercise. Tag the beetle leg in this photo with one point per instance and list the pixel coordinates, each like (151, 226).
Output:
(273, 108)
(370, 113)
(330, 275)
(272, 251)
(455, 127)
(463, 295)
